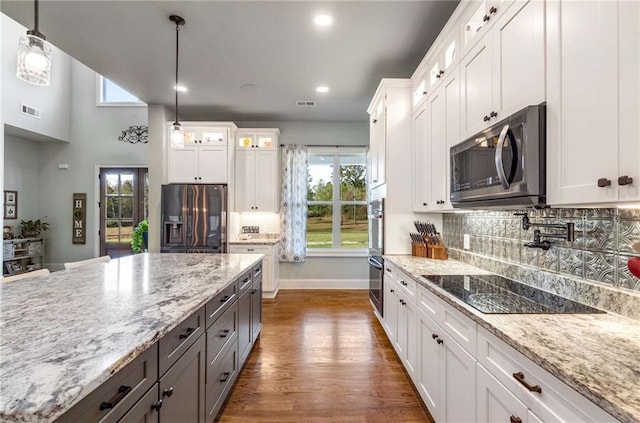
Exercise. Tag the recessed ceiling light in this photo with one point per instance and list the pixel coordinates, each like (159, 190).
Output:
(323, 20)
(180, 88)
(322, 89)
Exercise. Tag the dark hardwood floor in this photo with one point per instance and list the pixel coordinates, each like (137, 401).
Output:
(322, 356)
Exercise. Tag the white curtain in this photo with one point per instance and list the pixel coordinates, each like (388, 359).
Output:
(293, 204)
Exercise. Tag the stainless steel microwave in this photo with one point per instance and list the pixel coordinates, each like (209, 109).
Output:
(504, 165)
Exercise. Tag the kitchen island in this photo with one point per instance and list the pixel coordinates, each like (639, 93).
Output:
(596, 355)
(64, 335)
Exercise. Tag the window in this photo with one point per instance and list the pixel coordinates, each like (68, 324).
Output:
(110, 94)
(337, 199)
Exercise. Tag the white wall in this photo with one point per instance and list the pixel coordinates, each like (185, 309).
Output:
(22, 174)
(93, 142)
(53, 101)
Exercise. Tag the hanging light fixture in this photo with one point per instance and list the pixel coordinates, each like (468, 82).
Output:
(34, 55)
(177, 131)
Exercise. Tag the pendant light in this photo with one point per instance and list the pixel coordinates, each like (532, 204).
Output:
(177, 131)
(34, 55)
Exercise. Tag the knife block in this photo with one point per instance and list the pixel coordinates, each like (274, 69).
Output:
(437, 251)
(418, 250)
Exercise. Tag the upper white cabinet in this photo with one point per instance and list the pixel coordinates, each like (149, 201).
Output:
(436, 127)
(477, 18)
(504, 70)
(593, 129)
(256, 170)
(377, 142)
(204, 157)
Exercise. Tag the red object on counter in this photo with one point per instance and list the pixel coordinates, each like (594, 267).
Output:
(634, 266)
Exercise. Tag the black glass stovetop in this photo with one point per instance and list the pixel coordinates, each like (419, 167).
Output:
(493, 294)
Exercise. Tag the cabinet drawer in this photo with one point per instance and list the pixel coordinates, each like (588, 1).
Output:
(252, 249)
(222, 332)
(175, 343)
(244, 281)
(430, 303)
(257, 271)
(110, 401)
(220, 377)
(390, 272)
(407, 285)
(459, 327)
(555, 402)
(221, 302)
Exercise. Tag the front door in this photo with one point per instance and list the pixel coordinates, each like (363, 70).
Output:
(123, 204)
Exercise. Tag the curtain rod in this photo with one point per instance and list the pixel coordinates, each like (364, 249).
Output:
(327, 145)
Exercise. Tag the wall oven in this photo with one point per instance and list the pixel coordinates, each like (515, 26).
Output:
(376, 250)
(504, 165)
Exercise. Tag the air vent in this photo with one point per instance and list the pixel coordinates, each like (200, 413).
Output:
(305, 103)
(31, 111)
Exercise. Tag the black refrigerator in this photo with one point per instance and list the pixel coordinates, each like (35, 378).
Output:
(194, 219)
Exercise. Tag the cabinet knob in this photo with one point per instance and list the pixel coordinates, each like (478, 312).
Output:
(167, 392)
(224, 333)
(486, 118)
(493, 10)
(485, 18)
(435, 336)
(375, 121)
(439, 341)
(195, 178)
(493, 114)
(403, 283)
(514, 419)
(225, 376)
(156, 405)
(625, 180)
(424, 93)
(392, 291)
(438, 75)
(604, 182)
(425, 204)
(441, 72)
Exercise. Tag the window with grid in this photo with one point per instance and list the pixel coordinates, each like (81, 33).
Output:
(337, 199)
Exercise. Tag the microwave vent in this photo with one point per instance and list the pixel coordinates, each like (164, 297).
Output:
(306, 103)
(31, 111)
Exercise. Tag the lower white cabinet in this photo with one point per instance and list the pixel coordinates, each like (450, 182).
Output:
(447, 374)
(465, 374)
(270, 264)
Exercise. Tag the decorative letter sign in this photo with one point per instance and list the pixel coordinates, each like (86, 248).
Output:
(79, 218)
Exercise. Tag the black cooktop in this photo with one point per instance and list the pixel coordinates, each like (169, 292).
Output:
(493, 294)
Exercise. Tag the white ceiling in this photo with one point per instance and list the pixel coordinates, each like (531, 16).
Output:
(226, 44)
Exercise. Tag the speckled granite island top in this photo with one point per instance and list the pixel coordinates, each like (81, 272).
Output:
(598, 355)
(63, 335)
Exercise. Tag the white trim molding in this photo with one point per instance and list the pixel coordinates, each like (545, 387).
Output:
(324, 284)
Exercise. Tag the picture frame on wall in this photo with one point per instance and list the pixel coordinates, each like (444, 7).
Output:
(10, 204)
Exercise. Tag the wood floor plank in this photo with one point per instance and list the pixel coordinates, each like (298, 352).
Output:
(322, 356)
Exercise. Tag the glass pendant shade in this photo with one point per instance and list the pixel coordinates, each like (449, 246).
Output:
(177, 135)
(34, 60)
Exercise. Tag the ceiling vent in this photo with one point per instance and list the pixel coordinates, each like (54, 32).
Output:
(305, 103)
(31, 111)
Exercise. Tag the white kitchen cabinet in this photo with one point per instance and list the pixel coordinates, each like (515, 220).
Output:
(256, 171)
(390, 303)
(496, 403)
(504, 71)
(270, 265)
(436, 128)
(447, 374)
(595, 131)
(389, 122)
(204, 157)
(377, 144)
(406, 342)
(546, 398)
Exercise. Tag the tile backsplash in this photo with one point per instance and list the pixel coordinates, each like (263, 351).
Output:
(602, 245)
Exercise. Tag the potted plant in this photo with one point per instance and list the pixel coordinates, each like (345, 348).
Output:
(139, 237)
(32, 228)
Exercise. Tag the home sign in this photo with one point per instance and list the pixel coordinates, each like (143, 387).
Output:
(79, 218)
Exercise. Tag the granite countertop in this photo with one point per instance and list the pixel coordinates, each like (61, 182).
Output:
(598, 355)
(64, 334)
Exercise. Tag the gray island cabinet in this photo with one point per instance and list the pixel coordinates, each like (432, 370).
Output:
(161, 345)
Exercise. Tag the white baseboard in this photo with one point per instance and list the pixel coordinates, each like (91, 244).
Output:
(270, 294)
(324, 283)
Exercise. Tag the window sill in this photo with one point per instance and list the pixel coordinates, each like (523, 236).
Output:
(337, 253)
